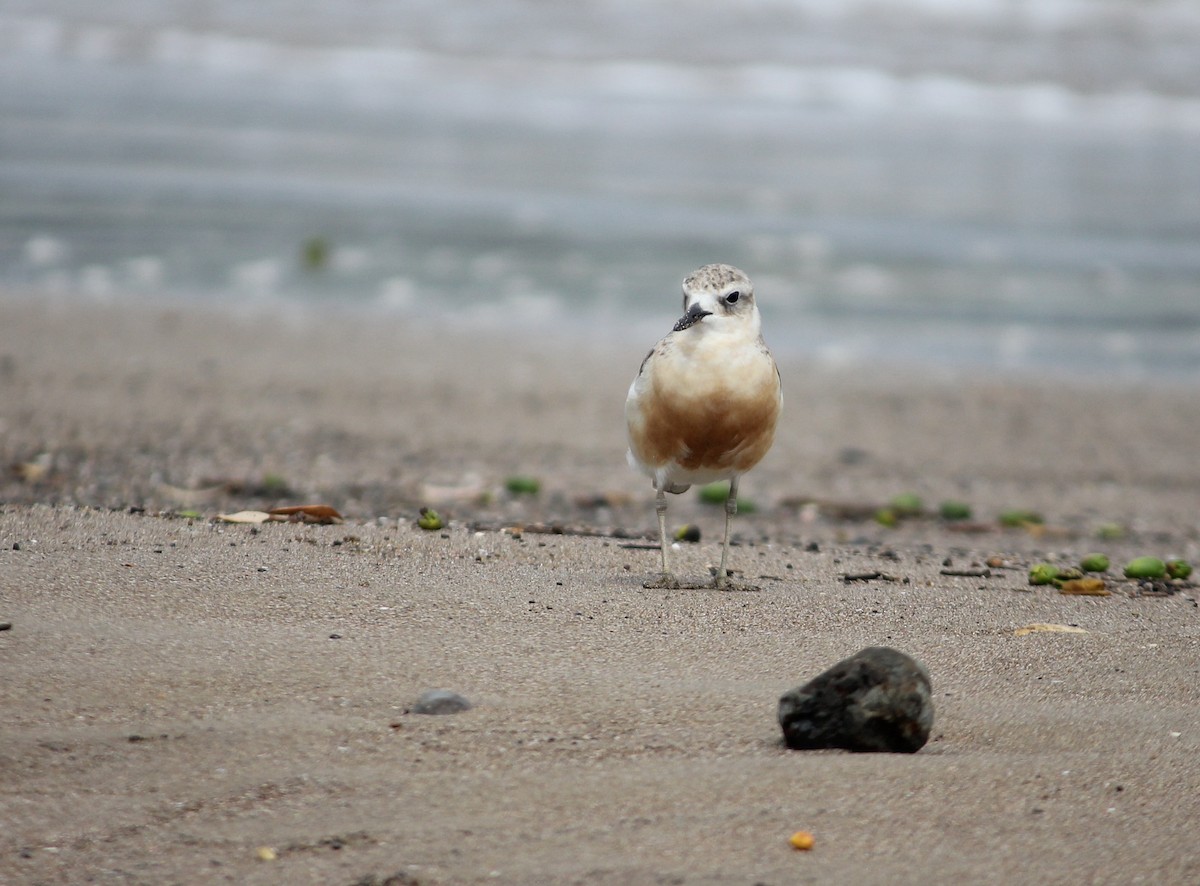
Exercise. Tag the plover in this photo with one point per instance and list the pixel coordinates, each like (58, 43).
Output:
(705, 401)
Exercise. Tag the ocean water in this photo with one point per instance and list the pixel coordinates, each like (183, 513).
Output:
(983, 184)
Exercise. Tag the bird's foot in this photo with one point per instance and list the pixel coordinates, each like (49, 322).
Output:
(726, 583)
(665, 582)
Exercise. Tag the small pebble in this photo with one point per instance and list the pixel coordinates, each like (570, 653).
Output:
(802, 840)
(440, 701)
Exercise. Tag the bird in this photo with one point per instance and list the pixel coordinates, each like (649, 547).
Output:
(706, 400)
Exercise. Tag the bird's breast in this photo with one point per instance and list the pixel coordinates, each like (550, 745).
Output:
(706, 409)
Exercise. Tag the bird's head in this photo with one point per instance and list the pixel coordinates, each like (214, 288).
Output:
(719, 295)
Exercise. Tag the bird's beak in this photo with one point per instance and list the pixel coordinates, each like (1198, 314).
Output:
(694, 315)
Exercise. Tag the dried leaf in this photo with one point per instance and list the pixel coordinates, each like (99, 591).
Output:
(1040, 628)
(33, 471)
(245, 517)
(1085, 587)
(308, 514)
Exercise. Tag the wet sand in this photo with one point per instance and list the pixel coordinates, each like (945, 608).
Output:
(183, 697)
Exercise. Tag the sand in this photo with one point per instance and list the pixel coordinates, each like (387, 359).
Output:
(189, 701)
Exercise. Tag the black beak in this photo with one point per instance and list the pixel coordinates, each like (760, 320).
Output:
(694, 315)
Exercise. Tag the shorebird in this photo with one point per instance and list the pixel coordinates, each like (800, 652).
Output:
(705, 401)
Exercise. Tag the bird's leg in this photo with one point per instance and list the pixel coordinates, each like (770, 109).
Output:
(660, 508)
(730, 510)
(666, 580)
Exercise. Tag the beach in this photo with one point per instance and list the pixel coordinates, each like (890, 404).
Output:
(195, 701)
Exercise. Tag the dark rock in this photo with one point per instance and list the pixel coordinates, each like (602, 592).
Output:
(878, 699)
(440, 701)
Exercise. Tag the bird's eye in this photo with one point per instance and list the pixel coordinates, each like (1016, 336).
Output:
(732, 297)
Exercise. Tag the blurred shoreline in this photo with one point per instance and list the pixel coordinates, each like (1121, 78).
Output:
(931, 350)
(994, 185)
